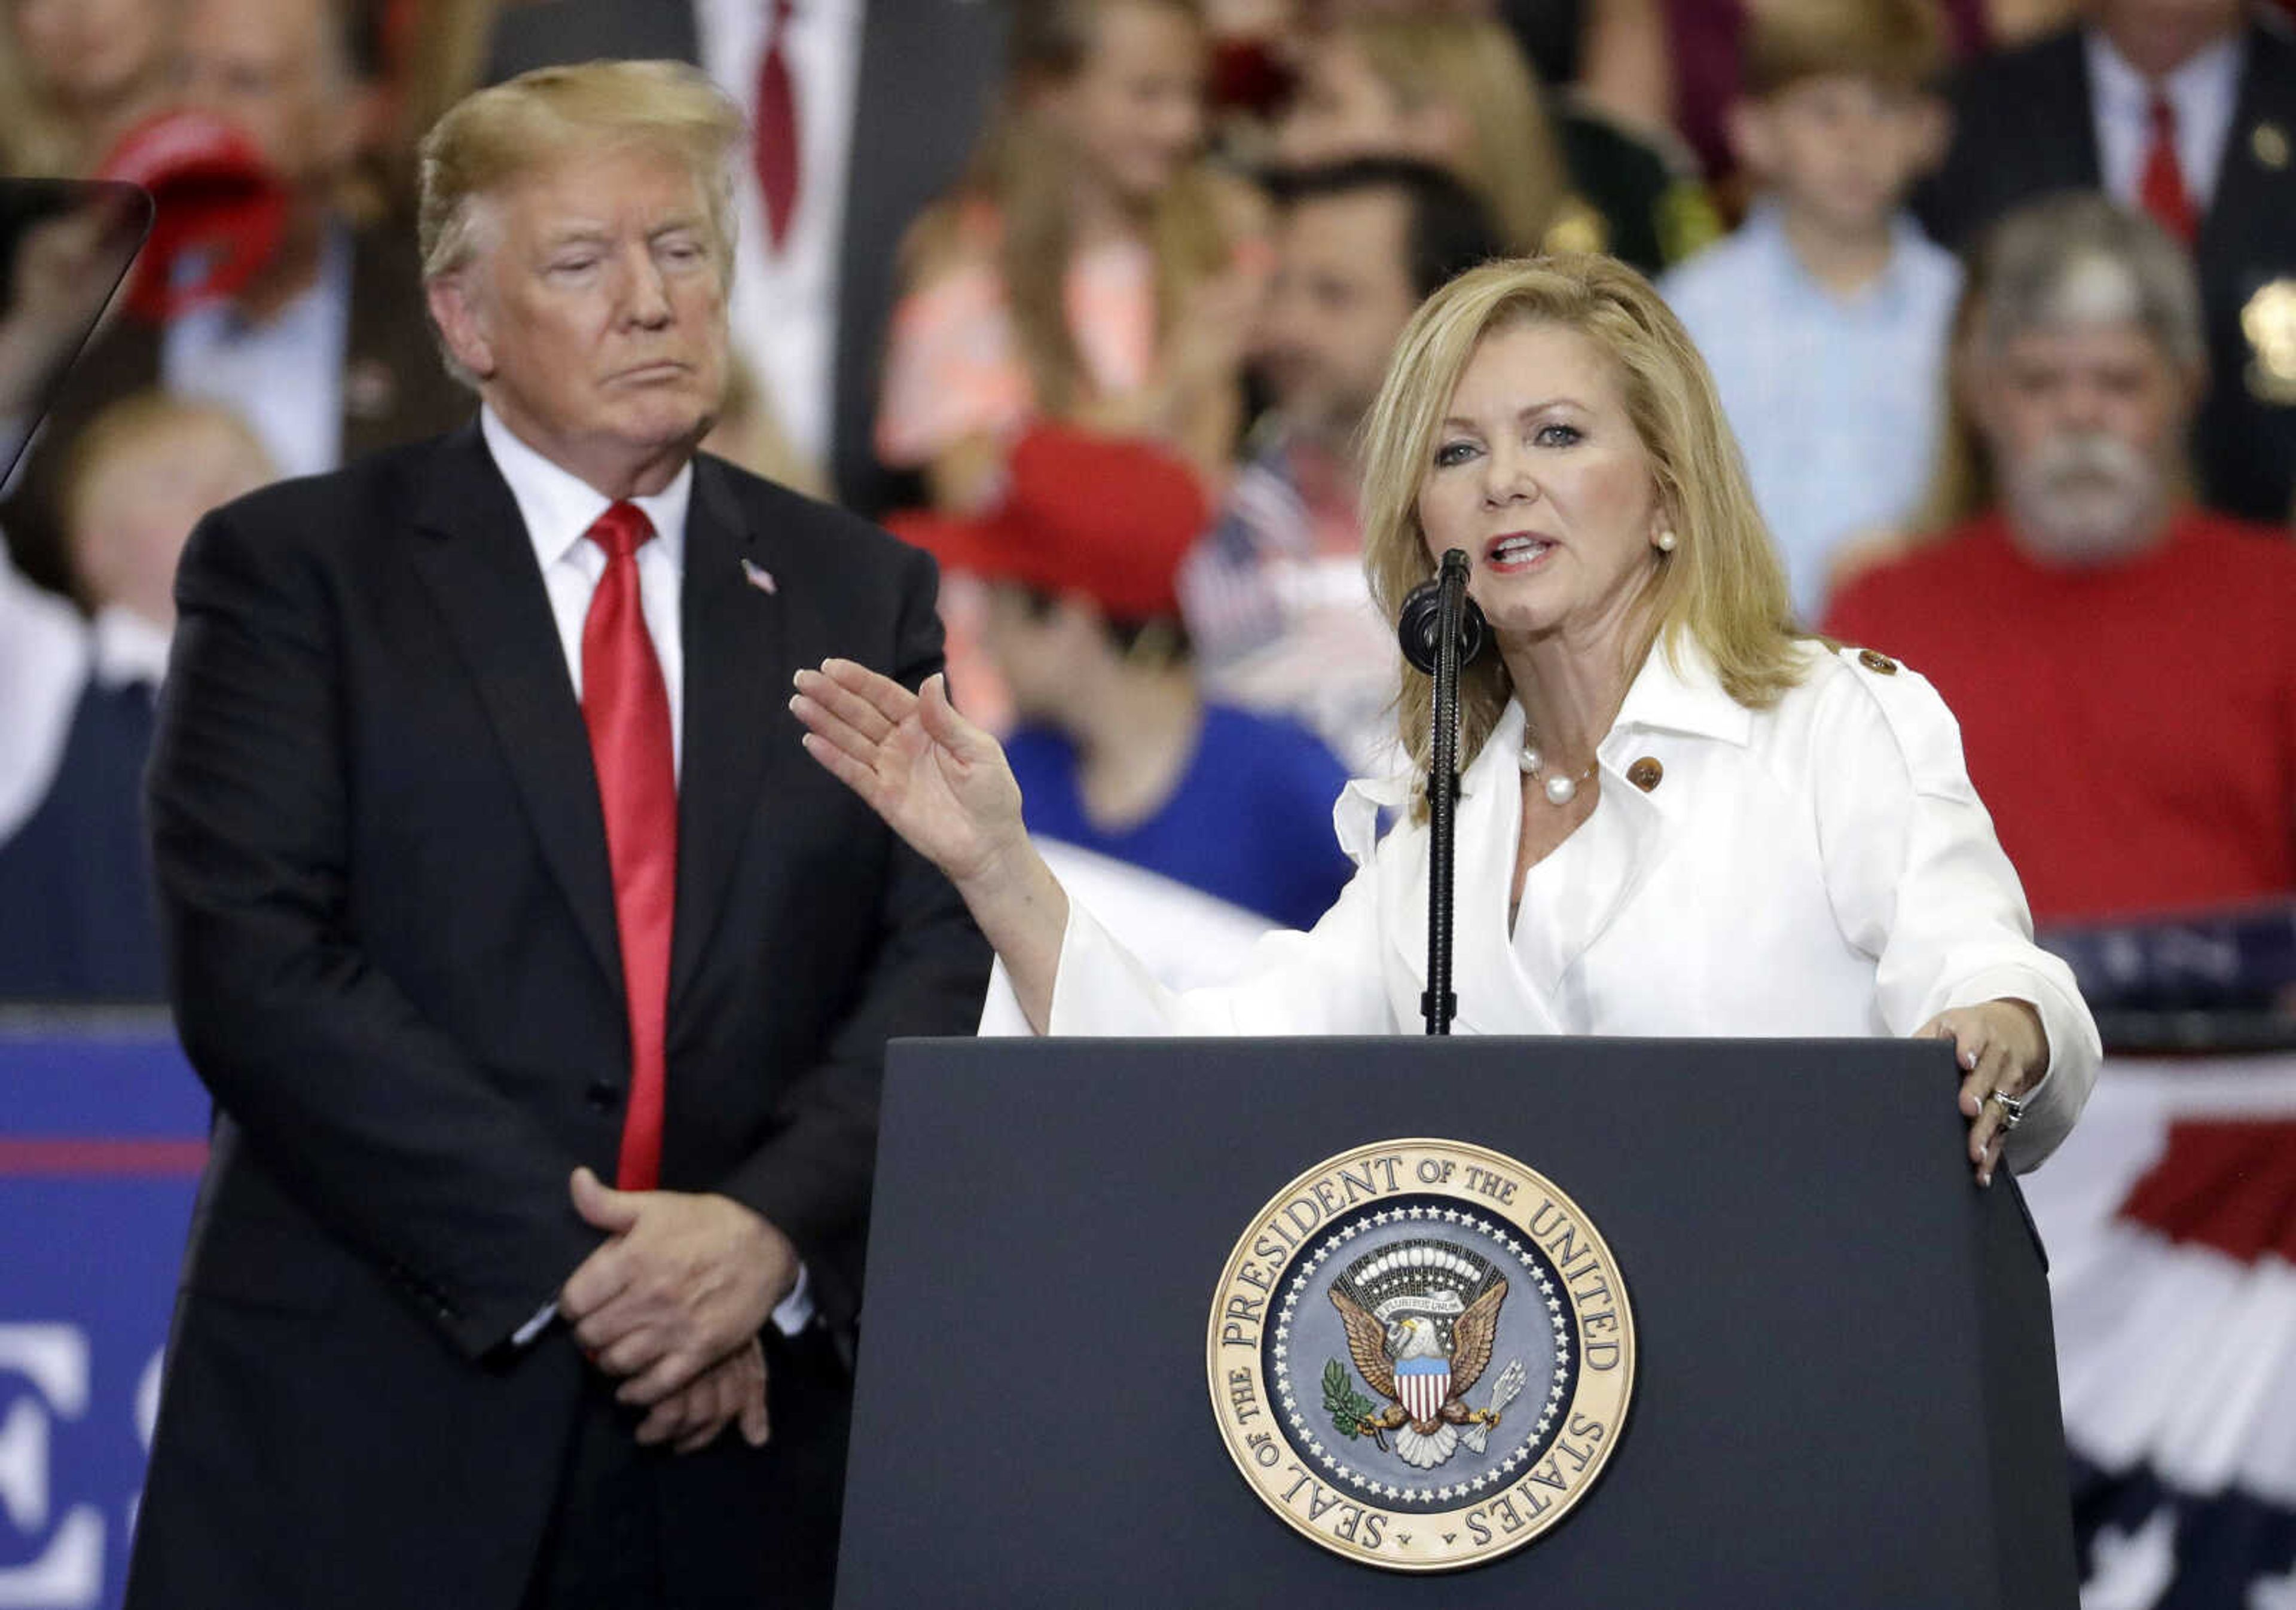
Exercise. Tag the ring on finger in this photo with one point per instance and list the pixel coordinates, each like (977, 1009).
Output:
(2012, 1108)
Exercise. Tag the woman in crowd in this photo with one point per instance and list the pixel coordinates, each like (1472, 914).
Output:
(1092, 268)
(1454, 89)
(1680, 816)
(74, 76)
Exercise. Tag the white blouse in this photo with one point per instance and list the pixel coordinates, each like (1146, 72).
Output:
(1820, 869)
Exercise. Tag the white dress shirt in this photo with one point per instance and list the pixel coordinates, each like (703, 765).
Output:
(1819, 869)
(784, 312)
(2204, 92)
(283, 376)
(559, 509)
(48, 657)
(129, 648)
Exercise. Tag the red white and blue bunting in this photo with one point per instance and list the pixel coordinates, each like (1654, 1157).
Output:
(2171, 1220)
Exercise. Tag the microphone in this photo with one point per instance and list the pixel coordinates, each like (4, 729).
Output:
(1441, 631)
(1420, 626)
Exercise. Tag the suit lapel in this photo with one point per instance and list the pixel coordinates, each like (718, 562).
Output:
(735, 644)
(474, 556)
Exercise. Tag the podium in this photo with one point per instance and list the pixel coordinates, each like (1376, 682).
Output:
(1845, 1391)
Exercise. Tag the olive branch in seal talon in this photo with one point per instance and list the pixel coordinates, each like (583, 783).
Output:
(1351, 1412)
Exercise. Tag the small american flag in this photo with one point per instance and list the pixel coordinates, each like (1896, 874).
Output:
(758, 576)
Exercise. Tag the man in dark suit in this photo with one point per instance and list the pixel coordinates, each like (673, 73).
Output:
(2186, 111)
(491, 869)
(326, 350)
(913, 80)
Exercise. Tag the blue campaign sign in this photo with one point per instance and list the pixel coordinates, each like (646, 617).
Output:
(103, 1132)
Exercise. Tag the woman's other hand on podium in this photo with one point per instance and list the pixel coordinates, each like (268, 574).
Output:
(943, 785)
(2002, 1052)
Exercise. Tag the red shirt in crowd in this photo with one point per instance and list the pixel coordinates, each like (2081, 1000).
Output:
(2132, 727)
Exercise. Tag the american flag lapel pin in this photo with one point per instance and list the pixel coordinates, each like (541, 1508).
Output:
(758, 576)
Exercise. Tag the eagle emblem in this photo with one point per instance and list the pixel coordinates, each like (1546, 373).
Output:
(1422, 1317)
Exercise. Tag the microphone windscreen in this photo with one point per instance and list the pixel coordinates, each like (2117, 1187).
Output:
(1419, 627)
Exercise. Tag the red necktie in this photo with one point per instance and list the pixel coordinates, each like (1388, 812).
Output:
(2163, 190)
(776, 127)
(626, 706)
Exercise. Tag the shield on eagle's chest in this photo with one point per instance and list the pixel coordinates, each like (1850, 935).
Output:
(1422, 1386)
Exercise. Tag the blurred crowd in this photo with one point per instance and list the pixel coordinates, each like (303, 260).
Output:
(1090, 297)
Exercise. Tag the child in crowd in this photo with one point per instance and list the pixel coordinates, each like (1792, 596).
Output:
(1116, 749)
(141, 477)
(74, 875)
(1825, 317)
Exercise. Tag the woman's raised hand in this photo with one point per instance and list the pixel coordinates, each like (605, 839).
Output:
(941, 783)
(938, 780)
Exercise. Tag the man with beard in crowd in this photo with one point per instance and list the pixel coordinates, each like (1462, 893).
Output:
(2123, 662)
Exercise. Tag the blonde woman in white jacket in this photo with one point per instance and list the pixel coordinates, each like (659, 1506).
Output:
(1681, 816)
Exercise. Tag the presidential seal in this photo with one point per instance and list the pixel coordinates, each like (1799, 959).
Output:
(1421, 1354)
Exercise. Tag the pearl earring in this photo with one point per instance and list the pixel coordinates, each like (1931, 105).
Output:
(1666, 541)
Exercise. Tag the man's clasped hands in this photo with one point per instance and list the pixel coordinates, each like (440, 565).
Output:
(673, 1304)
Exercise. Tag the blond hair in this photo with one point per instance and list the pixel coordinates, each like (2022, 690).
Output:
(488, 140)
(1897, 43)
(1722, 587)
(129, 425)
(1473, 64)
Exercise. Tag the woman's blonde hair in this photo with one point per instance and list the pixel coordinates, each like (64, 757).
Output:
(1722, 586)
(1024, 173)
(1473, 63)
(490, 140)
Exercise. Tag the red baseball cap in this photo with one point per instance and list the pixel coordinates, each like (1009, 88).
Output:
(1109, 517)
(219, 210)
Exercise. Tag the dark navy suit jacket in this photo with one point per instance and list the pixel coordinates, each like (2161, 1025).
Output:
(389, 921)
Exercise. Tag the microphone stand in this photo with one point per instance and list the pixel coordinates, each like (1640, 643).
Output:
(1441, 631)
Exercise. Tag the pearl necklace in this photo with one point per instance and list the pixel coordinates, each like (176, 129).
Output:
(1561, 788)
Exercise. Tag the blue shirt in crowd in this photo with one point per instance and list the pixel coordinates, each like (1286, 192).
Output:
(1249, 822)
(1836, 402)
